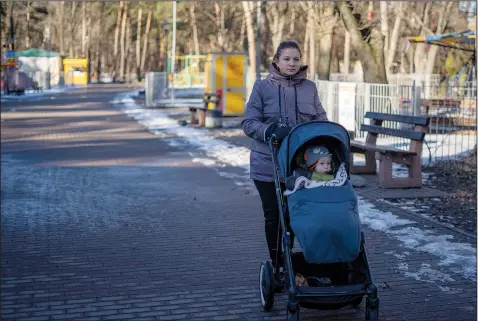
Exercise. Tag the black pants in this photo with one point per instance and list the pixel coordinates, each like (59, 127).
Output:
(270, 207)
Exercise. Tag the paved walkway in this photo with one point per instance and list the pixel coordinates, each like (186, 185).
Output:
(103, 220)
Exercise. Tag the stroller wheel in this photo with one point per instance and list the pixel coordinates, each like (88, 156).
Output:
(293, 315)
(371, 310)
(266, 285)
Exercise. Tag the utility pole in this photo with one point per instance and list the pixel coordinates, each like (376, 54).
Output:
(258, 41)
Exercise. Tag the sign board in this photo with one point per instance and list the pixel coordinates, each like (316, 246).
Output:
(347, 105)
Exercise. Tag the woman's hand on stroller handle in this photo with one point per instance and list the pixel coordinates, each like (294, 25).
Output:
(277, 132)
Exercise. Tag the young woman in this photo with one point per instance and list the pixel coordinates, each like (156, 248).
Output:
(278, 103)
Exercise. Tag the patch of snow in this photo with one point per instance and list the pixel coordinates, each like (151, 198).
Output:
(459, 257)
(449, 290)
(426, 273)
(204, 161)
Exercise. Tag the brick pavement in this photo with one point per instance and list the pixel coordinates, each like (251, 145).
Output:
(102, 220)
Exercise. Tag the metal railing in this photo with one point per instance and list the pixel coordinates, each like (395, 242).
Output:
(452, 130)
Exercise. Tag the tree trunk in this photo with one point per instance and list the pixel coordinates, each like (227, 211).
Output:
(83, 30)
(394, 39)
(115, 46)
(305, 54)
(128, 50)
(195, 30)
(327, 20)
(313, 26)
(444, 14)
(251, 39)
(278, 20)
(265, 34)
(72, 29)
(242, 34)
(420, 54)
(384, 25)
(122, 41)
(292, 20)
(99, 52)
(346, 53)
(371, 54)
(27, 33)
(145, 40)
(62, 27)
(88, 42)
(220, 26)
(138, 43)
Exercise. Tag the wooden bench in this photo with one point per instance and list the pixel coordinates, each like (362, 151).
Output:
(389, 155)
(36, 87)
(198, 113)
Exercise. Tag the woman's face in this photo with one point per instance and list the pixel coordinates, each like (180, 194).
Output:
(289, 61)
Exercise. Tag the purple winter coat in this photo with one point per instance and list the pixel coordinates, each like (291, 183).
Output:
(299, 103)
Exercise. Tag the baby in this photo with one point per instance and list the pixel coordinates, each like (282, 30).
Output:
(317, 166)
(318, 159)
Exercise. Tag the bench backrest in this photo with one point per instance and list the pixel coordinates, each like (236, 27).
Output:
(375, 128)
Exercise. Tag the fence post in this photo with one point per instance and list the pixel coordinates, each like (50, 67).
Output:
(417, 101)
(148, 82)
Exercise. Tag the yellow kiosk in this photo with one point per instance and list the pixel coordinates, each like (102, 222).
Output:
(75, 71)
(225, 74)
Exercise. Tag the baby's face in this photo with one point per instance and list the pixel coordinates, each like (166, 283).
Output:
(324, 165)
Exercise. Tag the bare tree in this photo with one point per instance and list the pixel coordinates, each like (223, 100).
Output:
(27, 33)
(251, 40)
(117, 30)
(327, 20)
(62, 27)
(83, 30)
(123, 40)
(369, 50)
(138, 43)
(194, 28)
(145, 40)
(72, 28)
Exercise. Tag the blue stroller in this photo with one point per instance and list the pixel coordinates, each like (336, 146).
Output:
(326, 223)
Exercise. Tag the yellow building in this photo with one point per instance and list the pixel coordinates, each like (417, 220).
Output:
(75, 71)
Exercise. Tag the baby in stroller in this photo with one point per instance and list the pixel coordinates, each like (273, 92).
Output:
(315, 165)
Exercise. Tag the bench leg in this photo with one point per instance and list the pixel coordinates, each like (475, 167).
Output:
(193, 119)
(370, 166)
(385, 173)
(202, 117)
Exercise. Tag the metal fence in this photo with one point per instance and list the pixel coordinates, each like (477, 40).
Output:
(165, 90)
(452, 130)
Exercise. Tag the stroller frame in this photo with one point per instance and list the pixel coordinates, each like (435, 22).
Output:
(298, 295)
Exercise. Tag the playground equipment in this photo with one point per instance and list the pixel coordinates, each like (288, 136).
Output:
(225, 75)
(76, 71)
(187, 63)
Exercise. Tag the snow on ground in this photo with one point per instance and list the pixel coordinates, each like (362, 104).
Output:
(458, 257)
(30, 94)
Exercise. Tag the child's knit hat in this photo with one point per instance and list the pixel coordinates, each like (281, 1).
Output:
(314, 153)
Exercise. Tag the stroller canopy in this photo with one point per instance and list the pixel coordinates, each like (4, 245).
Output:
(334, 136)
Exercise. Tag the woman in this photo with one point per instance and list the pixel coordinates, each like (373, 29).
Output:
(278, 103)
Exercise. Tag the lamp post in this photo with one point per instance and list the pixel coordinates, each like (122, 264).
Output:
(166, 32)
(48, 43)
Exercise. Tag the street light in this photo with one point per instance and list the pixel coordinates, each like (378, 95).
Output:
(166, 31)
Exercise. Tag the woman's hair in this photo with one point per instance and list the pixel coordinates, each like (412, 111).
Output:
(284, 45)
